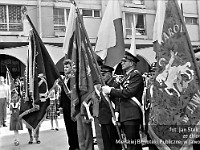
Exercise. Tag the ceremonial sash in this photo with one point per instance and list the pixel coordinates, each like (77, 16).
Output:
(134, 99)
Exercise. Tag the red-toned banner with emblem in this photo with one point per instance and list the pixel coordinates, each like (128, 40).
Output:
(175, 93)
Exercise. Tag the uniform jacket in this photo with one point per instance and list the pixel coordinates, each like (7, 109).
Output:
(131, 86)
(105, 115)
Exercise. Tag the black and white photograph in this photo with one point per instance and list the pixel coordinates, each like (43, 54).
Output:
(99, 75)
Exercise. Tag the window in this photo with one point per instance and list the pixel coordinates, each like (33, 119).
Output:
(136, 2)
(91, 13)
(140, 28)
(191, 20)
(128, 23)
(136, 20)
(60, 17)
(96, 13)
(10, 18)
(87, 13)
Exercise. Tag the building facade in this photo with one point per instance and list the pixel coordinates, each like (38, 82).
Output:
(50, 19)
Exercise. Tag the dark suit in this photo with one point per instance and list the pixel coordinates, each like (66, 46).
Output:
(71, 126)
(130, 112)
(108, 130)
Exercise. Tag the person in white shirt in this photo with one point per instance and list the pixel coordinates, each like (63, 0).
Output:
(4, 101)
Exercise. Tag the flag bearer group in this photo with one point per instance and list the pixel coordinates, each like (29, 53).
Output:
(100, 106)
(130, 101)
(125, 94)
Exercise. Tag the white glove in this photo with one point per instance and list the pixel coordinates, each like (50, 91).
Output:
(116, 117)
(106, 89)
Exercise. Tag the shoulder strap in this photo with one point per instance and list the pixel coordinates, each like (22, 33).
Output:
(134, 99)
(137, 72)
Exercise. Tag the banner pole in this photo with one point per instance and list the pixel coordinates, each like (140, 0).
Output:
(98, 70)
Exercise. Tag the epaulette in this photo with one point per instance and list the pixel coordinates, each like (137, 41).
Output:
(137, 72)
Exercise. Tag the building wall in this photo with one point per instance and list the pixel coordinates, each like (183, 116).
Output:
(150, 4)
(191, 8)
(193, 31)
(31, 11)
(47, 22)
(89, 2)
(92, 24)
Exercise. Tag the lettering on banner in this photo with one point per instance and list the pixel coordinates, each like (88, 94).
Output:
(171, 32)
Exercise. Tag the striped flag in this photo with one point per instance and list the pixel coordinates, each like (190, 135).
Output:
(68, 40)
(133, 44)
(159, 21)
(110, 38)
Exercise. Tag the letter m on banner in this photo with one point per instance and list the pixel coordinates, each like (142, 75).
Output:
(175, 98)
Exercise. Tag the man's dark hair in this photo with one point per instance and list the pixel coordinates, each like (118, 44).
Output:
(67, 61)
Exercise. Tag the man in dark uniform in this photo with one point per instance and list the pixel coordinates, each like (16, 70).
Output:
(108, 130)
(65, 104)
(130, 95)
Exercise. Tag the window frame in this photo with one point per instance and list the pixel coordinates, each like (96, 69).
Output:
(93, 13)
(135, 2)
(192, 18)
(66, 15)
(8, 24)
(128, 36)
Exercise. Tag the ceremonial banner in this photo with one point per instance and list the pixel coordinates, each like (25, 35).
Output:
(41, 74)
(9, 79)
(110, 38)
(85, 70)
(175, 93)
(9, 82)
(84, 74)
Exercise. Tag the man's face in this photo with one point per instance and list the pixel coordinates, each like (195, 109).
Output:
(67, 69)
(126, 64)
(1, 80)
(15, 98)
(106, 76)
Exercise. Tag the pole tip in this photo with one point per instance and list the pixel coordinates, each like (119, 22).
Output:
(24, 10)
(73, 2)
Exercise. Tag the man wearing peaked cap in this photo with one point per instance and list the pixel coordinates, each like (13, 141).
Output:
(108, 130)
(131, 57)
(130, 95)
(105, 68)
